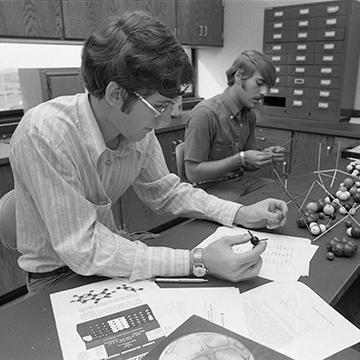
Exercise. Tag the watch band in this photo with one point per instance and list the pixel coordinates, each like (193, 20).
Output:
(198, 268)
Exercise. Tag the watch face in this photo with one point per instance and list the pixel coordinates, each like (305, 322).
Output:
(199, 270)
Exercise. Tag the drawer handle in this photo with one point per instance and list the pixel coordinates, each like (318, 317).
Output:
(329, 34)
(303, 23)
(324, 93)
(278, 25)
(331, 21)
(297, 103)
(277, 36)
(276, 58)
(299, 69)
(304, 11)
(328, 58)
(330, 46)
(301, 47)
(322, 105)
(332, 9)
(302, 35)
(299, 81)
(276, 47)
(298, 92)
(325, 82)
(300, 58)
(326, 70)
(278, 13)
(274, 91)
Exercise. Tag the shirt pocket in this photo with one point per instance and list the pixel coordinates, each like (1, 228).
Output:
(221, 151)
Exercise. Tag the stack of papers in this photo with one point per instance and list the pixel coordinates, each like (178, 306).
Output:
(122, 320)
(281, 259)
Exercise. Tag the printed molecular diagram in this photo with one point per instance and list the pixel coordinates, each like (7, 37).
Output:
(91, 296)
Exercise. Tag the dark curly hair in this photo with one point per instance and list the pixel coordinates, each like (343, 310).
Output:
(139, 53)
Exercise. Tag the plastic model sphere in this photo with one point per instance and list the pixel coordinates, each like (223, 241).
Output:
(328, 209)
(206, 346)
(342, 210)
(312, 206)
(350, 168)
(315, 230)
(348, 182)
(356, 197)
(355, 232)
(322, 227)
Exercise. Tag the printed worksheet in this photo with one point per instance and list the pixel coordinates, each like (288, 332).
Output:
(281, 260)
(111, 319)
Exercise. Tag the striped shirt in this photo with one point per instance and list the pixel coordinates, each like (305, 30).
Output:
(66, 181)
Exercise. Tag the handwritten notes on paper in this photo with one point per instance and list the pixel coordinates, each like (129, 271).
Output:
(281, 259)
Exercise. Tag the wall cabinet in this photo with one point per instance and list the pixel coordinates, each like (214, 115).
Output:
(200, 22)
(81, 18)
(31, 18)
(195, 22)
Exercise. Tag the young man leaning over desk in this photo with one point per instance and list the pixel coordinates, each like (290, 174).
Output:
(220, 139)
(74, 156)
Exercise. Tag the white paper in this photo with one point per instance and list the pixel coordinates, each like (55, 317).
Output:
(281, 260)
(292, 319)
(218, 305)
(99, 320)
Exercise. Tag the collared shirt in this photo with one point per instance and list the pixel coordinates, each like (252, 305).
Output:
(216, 129)
(66, 181)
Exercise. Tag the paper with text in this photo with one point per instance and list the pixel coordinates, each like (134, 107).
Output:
(281, 260)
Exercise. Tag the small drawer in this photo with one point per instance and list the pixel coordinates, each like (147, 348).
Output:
(281, 69)
(304, 24)
(305, 35)
(303, 58)
(279, 58)
(276, 48)
(335, 58)
(330, 34)
(277, 36)
(329, 47)
(304, 11)
(302, 47)
(327, 70)
(278, 13)
(332, 8)
(329, 22)
(277, 91)
(281, 81)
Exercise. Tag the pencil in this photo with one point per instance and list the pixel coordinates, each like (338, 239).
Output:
(181, 280)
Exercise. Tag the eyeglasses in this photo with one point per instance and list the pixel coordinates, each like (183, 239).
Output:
(150, 106)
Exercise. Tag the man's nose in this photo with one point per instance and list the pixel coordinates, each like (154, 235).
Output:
(264, 90)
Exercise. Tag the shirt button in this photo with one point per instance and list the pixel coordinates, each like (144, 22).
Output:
(107, 162)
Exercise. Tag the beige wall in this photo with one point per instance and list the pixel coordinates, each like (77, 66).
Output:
(243, 29)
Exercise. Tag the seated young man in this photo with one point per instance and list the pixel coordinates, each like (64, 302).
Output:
(220, 139)
(74, 156)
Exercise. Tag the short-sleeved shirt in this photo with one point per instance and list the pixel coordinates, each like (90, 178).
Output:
(217, 129)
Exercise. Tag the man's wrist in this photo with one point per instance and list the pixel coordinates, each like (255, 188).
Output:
(242, 158)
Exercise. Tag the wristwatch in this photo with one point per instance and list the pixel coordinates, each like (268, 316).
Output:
(198, 268)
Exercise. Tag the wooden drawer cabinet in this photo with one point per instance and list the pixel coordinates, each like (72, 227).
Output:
(266, 137)
(200, 22)
(31, 18)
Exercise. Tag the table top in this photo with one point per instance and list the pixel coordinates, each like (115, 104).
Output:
(32, 319)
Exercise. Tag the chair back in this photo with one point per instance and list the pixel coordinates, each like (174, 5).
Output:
(180, 161)
(8, 220)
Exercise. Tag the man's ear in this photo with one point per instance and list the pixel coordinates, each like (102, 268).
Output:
(113, 95)
(237, 77)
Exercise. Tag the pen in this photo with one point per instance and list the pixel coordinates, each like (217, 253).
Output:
(181, 280)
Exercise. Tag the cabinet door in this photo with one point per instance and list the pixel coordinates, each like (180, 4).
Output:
(313, 152)
(200, 22)
(81, 18)
(31, 18)
(164, 10)
(266, 137)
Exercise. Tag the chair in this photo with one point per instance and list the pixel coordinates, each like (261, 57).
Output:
(8, 239)
(8, 220)
(180, 163)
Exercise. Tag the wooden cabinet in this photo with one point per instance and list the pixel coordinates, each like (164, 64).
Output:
(266, 137)
(11, 276)
(315, 49)
(200, 22)
(31, 18)
(81, 18)
(315, 151)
